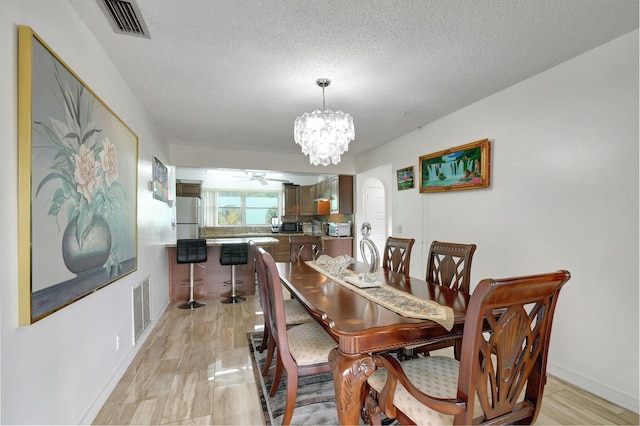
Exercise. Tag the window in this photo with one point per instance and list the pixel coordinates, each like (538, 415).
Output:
(239, 208)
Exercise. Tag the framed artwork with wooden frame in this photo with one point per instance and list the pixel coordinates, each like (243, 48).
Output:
(405, 178)
(78, 180)
(456, 169)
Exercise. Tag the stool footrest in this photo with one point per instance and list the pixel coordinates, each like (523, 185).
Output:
(233, 299)
(192, 304)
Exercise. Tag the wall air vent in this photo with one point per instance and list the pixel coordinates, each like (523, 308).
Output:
(141, 308)
(124, 17)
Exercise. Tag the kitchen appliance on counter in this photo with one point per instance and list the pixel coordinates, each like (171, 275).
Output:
(291, 227)
(307, 228)
(275, 225)
(325, 228)
(340, 229)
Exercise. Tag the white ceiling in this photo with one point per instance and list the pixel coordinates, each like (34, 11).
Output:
(236, 73)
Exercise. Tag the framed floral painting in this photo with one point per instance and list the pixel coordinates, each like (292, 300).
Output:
(77, 186)
(455, 169)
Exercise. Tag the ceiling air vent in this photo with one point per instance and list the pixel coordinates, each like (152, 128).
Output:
(125, 17)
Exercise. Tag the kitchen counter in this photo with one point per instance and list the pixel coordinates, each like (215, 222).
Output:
(273, 235)
(260, 240)
(212, 273)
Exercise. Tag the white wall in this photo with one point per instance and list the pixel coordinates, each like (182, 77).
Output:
(61, 369)
(189, 155)
(563, 195)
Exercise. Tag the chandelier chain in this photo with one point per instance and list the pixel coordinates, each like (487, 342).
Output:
(323, 107)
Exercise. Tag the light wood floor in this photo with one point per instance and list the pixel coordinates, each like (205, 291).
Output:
(195, 368)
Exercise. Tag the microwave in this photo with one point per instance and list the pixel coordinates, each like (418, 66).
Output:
(340, 229)
(291, 227)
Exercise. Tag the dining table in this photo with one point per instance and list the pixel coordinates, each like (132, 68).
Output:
(363, 326)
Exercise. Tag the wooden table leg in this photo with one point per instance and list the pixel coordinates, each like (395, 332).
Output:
(350, 372)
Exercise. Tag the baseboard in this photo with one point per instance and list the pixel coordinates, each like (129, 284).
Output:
(102, 397)
(605, 392)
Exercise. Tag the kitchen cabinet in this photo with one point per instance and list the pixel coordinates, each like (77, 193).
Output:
(307, 197)
(341, 192)
(281, 252)
(291, 195)
(299, 200)
(331, 196)
(335, 246)
(323, 190)
(188, 189)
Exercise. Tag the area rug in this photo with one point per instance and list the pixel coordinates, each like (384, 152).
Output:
(315, 404)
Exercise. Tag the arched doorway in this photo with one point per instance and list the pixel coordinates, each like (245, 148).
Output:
(375, 211)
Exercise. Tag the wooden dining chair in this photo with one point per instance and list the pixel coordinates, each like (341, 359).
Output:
(305, 247)
(502, 371)
(397, 254)
(448, 264)
(302, 350)
(295, 313)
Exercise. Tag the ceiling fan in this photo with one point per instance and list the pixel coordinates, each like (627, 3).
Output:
(261, 177)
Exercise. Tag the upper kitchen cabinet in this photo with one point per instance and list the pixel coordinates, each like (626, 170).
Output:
(291, 199)
(307, 195)
(341, 194)
(299, 200)
(188, 189)
(331, 196)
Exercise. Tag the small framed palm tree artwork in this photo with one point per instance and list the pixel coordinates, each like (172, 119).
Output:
(77, 186)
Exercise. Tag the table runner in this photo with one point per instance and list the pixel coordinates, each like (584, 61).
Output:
(395, 300)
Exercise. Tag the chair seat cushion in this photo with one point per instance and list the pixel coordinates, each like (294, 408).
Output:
(435, 375)
(295, 313)
(310, 344)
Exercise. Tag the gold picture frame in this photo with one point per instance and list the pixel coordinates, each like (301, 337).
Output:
(456, 169)
(78, 179)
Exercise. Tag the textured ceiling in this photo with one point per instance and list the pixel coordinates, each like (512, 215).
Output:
(236, 73)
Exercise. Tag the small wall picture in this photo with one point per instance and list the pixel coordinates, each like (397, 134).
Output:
(405, 178)
(455, 169)
(160, 181)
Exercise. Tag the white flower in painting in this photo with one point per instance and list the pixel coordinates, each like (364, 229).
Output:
(86, 172)
(109, 162)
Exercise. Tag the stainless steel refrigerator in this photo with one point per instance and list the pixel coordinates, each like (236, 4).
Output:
(188, 217)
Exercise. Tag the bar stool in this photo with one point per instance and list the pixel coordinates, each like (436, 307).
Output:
(191, 251)
(234, 254)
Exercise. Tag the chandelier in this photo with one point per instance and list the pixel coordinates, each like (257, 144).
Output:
(324, 135)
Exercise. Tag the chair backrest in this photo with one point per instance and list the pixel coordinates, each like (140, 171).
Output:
(449, 264)
(191, 250)
(262, 283)
(397, 254)
(498, 362)
(305, 247)
(234, 254)
(273, 307)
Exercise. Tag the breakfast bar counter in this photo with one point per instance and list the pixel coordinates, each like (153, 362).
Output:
(212, 273)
